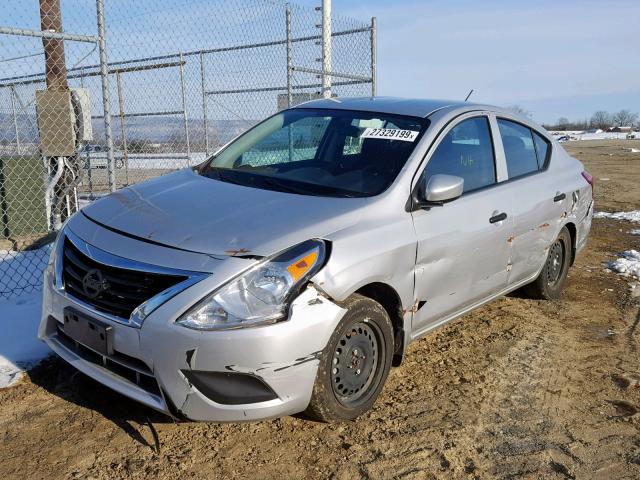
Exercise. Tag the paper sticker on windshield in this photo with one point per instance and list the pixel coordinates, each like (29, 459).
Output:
(390, 134)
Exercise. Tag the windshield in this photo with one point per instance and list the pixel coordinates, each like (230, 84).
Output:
(339, 153)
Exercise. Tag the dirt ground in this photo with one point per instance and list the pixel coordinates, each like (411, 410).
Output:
(517, 389)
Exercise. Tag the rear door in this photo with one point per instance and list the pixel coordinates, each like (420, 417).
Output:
(540, 202)
(463, 251)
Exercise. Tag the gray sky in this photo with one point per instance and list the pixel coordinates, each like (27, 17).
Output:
(554, 58)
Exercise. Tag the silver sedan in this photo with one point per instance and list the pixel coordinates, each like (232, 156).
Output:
(290, 271)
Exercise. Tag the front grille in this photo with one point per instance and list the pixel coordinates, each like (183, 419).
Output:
(129, 368)
(121, 290)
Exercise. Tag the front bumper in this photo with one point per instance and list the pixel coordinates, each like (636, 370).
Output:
(150, 364)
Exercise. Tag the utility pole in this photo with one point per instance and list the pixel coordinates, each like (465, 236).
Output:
(55, 67)
(56, 78)
(326, 48)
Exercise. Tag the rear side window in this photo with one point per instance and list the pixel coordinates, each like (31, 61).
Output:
(467, 152)
(542, 149)
(519, 149)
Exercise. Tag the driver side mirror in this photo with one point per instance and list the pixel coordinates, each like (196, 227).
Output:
(440, 188)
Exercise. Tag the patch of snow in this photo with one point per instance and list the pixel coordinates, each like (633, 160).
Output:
(635, 232)
(628, 263)
(635, 150)
(592, 135)
(20, 348)
(633, 216)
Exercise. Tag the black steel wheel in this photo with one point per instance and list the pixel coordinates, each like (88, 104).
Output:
(555, 262)
(355, 364)
(552, 278)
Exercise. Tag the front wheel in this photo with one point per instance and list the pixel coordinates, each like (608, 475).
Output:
(552, 278)
(355, 364)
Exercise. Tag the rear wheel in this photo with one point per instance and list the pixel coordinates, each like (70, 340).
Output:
(553, 276)
(355, 364)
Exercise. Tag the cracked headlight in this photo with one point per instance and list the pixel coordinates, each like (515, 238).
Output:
(261, 294)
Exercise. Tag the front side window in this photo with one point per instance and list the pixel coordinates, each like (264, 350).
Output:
(320, 152)
(519, 149)
(467, 152)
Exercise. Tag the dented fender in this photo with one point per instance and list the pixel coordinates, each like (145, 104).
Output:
(284, 355)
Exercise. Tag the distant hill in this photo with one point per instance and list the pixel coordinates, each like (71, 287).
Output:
(147, 129)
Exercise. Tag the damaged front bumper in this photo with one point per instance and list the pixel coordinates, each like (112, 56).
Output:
(226, 376)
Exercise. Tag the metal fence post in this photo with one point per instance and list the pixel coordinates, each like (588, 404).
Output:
(289, 57)
(326, 48)
(374, 56)
(15, 117)
(123, 131)
(289, 75)
(204, 105)
(104, 75)
(184, 109)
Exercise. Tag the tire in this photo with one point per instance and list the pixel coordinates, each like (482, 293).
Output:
(350, 379)
(553, 277)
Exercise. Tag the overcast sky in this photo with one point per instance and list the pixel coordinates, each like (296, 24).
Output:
(554, 58)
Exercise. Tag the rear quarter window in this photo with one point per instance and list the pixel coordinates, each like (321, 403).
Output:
(519, 146)
(542, 149)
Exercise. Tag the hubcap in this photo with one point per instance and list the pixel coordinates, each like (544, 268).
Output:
(555, 262)
(354, 362)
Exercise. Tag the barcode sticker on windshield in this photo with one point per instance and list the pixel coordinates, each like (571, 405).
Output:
(390, 134)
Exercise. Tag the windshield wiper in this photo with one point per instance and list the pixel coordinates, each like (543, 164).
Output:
(218, 175)
(272, 182)
(264, 181)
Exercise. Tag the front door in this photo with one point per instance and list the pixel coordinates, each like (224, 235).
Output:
(463, 252)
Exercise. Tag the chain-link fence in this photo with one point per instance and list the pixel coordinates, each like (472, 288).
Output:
(178, 79)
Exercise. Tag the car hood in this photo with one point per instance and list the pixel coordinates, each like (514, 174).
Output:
(187, 211)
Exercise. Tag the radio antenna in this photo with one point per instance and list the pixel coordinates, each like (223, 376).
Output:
(470, 92)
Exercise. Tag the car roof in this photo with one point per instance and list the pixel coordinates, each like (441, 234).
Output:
(415, 107)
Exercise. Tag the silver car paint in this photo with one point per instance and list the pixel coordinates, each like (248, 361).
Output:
(447, 260)
(184, 210)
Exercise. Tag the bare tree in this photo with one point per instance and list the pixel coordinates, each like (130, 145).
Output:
(601, 119)
(624, 118)
(562, 123)
(519, 110)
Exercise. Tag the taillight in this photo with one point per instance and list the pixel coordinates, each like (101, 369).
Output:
(588, 177)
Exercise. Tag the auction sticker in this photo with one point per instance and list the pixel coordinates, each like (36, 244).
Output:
(390, 134)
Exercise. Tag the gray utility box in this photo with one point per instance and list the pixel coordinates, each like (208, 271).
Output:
(82, 100)
(56, 123)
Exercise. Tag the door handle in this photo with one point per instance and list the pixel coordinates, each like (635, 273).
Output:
(559, 197)
(498, 218)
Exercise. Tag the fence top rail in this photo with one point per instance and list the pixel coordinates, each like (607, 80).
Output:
(332, 74)
(26, 79)
(25, 32)
(39, 78)
(145, 114)
(284, 88)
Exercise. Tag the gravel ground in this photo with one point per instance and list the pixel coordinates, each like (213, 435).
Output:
(519, 388)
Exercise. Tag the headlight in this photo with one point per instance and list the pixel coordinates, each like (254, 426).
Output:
(259, 295)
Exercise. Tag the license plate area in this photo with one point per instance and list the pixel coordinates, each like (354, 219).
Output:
(88, 331)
